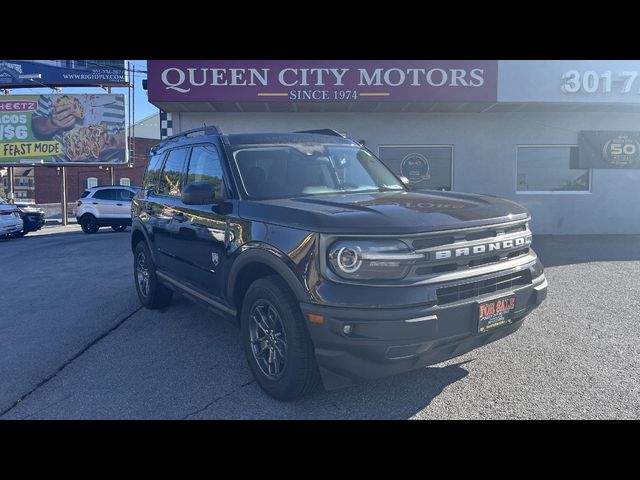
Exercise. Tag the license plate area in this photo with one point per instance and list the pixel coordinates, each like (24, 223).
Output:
(496, 312)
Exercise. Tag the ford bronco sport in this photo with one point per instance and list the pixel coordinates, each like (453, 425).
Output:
(334, 269)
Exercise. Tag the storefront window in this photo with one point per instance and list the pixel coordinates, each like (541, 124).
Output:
(548, 169)
(426, 166)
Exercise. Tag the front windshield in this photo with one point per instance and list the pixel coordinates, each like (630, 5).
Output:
(281, 171)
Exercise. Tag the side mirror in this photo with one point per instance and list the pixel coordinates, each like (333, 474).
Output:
(404, 180)
(198, 193)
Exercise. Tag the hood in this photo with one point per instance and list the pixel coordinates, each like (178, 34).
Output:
(384, 212)
(29, 206)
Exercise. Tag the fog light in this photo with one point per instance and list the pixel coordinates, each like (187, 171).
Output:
(347, 329)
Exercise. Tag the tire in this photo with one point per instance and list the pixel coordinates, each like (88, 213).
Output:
(288, 376)
(154, 295)
(89, 224)
(119, 228)
(19, 234)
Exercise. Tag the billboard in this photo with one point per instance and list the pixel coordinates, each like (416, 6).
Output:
(62, 129)
(34, 73)
(322, 80)
(607, 149)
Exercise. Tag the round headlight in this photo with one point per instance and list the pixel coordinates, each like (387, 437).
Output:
(349, 259)
(371, 259)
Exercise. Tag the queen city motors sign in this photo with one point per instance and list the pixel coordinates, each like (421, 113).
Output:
(322, 81)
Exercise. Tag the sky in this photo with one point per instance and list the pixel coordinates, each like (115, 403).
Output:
(142, 107)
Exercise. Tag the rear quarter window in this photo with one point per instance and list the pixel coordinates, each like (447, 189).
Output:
(152, 175)
(85, 193)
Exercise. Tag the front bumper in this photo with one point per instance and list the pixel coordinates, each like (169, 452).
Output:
(8, 229)
(387, 341)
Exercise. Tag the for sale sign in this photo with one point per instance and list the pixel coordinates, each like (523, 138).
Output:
(62, 129)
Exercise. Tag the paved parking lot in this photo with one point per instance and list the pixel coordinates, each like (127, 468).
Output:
(75, 343)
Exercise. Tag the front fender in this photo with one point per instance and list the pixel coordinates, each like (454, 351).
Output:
(256, 252)
(138, 228)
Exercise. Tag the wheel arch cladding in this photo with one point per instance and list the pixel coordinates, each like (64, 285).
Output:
(255, 264)
(136, 237)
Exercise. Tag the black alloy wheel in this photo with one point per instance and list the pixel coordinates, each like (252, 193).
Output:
(89, 224)
(268, 339)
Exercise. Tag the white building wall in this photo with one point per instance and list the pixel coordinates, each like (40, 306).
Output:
(484, 155)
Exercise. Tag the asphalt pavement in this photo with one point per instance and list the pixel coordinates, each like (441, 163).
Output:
(76, 344)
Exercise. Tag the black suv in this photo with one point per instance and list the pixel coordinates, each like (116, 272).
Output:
(335, 270)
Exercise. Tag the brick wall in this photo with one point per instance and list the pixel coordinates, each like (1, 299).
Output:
(48, 182)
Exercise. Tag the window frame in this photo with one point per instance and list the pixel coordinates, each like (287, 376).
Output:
(425, 145)
(188, 164)
(551, 192)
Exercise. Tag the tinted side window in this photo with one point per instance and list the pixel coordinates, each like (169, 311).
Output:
(171, 178)
(123, 195)
(85, 193)
(204, 166)
(152, 175)
(104, 195)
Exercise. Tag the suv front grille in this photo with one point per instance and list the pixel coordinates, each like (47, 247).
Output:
(479, 288)
(434, 264)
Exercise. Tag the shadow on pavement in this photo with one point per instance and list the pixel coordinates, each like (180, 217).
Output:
(63, 231)
(397, 397)
(556, 250)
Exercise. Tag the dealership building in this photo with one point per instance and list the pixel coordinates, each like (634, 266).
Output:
(560, 137)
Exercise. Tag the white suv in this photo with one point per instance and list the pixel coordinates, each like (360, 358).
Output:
(106, 206)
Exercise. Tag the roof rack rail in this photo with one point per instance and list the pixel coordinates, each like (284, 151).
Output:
(113, 185)
(207, 129)
(323, 131)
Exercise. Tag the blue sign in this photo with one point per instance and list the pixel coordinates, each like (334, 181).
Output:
(55, 73)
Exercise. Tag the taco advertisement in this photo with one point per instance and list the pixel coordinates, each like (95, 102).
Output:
(63, 129)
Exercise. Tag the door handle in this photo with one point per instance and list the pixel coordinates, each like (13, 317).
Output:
(94, 203)
(118, 204)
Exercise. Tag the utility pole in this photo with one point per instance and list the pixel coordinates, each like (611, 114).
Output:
(11, 194)
(63, 171)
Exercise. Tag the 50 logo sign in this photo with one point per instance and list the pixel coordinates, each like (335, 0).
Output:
(621, 150)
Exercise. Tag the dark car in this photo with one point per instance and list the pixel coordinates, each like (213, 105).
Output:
(335, 270)
(32, 218)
